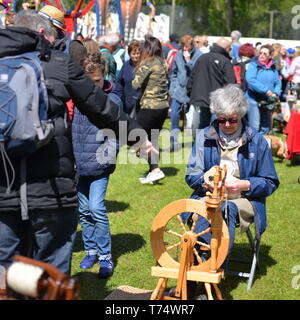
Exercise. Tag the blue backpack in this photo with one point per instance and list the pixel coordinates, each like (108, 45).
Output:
(24, 123)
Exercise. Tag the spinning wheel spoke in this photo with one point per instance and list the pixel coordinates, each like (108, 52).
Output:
(173, 246)
(195, 219)
(181, 223)
(197, 256)
(169, 231)
(203, 232)
(203, 244)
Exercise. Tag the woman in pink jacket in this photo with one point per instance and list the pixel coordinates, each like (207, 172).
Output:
(295, 71)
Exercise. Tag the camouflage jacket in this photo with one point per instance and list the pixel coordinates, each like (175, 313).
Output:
(151, 78)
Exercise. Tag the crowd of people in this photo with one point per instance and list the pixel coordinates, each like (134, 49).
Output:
(226, 92)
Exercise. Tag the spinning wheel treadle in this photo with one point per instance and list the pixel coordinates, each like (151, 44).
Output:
(164, 251)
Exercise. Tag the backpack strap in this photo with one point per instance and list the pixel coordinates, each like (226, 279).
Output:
(23, 189)
(104, 50)
(170, 46)
(67, 46)
(6, 160)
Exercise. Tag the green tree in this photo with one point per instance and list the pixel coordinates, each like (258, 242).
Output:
(219, 17)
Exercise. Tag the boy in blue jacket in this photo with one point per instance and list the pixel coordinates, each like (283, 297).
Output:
(95, 156)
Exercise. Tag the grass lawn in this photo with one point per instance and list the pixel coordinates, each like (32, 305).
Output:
(132, 208)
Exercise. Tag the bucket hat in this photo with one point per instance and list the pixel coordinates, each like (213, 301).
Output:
(54, 15)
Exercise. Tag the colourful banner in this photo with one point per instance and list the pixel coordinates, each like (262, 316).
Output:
(130, 10)
(103, 12)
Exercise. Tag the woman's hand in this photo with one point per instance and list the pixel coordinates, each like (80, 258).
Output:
(237, 186)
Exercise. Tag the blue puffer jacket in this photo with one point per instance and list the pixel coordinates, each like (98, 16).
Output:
(180, 73)
(255, 164)
(261, 79)
(94, 153)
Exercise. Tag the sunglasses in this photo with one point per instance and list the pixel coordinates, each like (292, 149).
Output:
(230, 120)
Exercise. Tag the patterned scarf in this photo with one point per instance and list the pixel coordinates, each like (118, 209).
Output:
(230, 141)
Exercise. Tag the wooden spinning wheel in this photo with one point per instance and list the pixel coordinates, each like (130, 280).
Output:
(162, 249)
(198, 261)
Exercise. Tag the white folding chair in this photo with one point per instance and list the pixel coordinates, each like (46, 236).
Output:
(254, 242)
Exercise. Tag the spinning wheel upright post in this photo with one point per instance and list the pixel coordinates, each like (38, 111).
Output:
(191, 265)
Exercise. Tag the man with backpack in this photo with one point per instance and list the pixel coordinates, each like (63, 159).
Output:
(246, 52)
(110, 42)
(73, 47)
(171, 45)
(170, 50)
(212, 71)
(43, 224)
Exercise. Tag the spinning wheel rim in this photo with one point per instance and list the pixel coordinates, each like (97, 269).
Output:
(158, 231)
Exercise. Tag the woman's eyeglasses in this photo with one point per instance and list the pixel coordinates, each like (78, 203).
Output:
(264, 53)
(230, 120)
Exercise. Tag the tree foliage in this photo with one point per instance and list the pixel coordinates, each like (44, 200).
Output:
(220, 17)
(251, 17)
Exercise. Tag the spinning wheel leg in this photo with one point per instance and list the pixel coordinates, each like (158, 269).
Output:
(162, 289)
(158, 292)
(208, 290)
(218, 292)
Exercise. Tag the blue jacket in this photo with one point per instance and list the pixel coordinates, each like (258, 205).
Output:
(95, 154)
(180, 73)
(261, 79)
(255, 164)
(124, 88)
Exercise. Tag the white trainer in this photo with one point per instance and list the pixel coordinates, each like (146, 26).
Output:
(152, 177)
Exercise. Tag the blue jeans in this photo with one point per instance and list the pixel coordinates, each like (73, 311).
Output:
(175, 117)
(258, 118)
(47, 236)
(93, 217)
(231, 218)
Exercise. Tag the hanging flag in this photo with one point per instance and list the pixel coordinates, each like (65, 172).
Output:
(103, 11)
(130, 10)
(97, 19)
(120, 17)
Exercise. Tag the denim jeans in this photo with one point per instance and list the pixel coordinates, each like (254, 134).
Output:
(47, 236)
(175, 117)
(258, 118)
(231, 217)
(93, 217)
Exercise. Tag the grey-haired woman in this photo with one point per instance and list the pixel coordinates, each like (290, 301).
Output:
(251, 175)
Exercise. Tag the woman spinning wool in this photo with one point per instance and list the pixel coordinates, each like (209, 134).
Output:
(251, 175)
